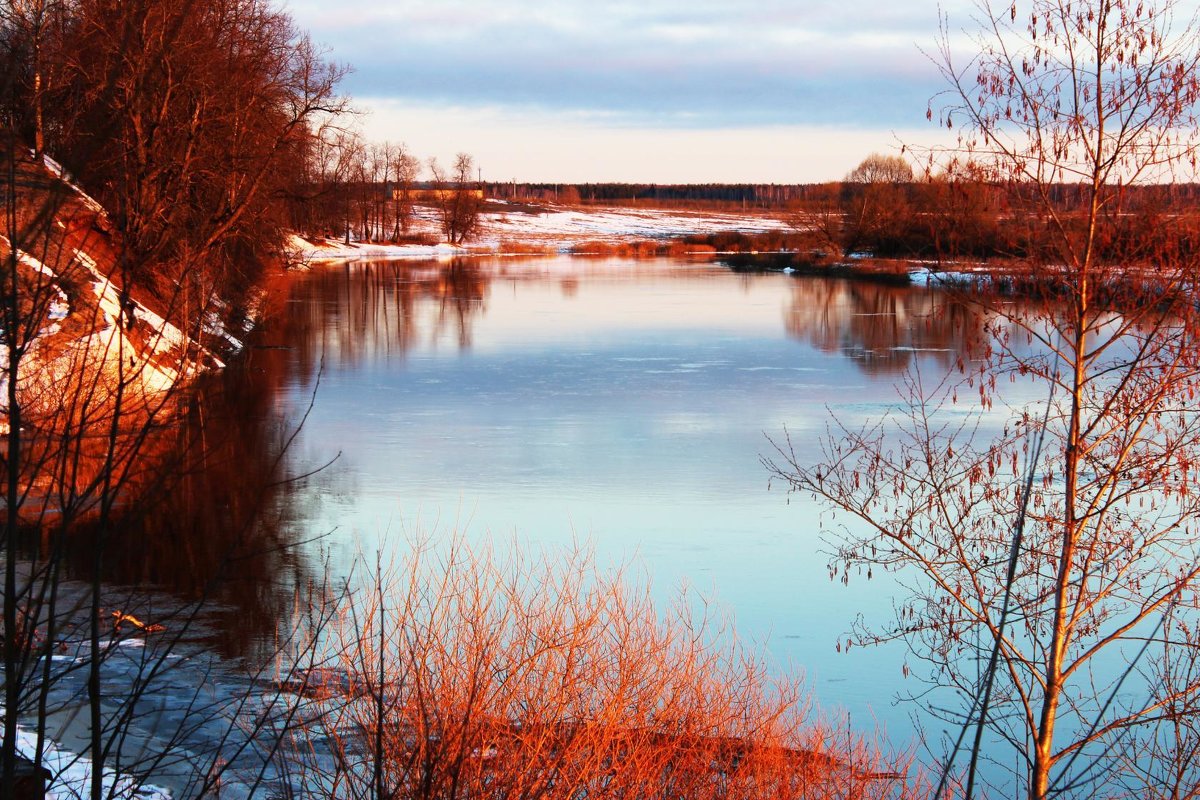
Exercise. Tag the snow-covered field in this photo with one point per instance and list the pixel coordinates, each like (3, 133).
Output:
(554, 229)
(562, 224)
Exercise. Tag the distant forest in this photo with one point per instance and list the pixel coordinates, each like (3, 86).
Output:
(756, 195)
(883, 208)
(759, 195)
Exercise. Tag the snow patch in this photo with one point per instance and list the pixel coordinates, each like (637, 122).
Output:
(929, 278)
(71, 774)
(60, 306)
(56, 169)
(553, 228)
(165, 339)
(305, 250)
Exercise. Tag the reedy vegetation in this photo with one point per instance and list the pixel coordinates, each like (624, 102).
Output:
(462, 673)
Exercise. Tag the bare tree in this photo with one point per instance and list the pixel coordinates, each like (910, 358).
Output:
(820, 219)
(154, 107)
(1045, 560)
(34, 27)
(961, 210)
(405, 170)
(188, 113)
(879, 168)
(875, 203)
(459, 200)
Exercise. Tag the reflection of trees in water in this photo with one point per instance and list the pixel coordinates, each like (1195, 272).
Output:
(205, 512)
(224, 530)
(226, 522)
(880, 328)
(460, 291)
(353, 312)
(220, 520)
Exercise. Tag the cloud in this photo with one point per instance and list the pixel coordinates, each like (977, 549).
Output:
(589, 147)
(655, 63)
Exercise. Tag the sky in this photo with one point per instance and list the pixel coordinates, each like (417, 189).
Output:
(665, 91)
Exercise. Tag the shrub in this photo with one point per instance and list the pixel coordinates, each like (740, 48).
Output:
(475, 676)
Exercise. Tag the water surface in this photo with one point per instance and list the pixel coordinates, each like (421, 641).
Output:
(626, 404)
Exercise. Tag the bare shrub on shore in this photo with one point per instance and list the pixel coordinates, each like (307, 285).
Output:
(1051, 562)
(460, 673)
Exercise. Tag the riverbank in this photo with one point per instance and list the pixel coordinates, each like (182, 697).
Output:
(744, 242)
(465, 301)
(524, 229)
(77, 322)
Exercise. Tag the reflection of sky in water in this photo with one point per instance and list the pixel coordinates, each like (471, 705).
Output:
(631, 412)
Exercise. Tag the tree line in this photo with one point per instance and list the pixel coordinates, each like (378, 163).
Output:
(757, 195)
(958, 210)
(893, 206)
(187, 121)
(354, 188)
(209, 130)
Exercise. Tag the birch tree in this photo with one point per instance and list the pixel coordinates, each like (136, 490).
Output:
(1052, 568)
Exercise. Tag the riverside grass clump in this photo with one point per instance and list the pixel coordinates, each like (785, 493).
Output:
(458, 672)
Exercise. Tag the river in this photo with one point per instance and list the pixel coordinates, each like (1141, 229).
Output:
(624, 404)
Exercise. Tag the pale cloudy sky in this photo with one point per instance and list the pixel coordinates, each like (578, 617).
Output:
(656, 90)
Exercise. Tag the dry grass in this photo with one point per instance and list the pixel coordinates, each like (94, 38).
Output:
(462, 674)
(640, 248)
(522, 248)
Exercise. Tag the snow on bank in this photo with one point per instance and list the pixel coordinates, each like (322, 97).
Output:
(59, 307)
(551, 228)
(98, 334)
(165, 344)
(935, 279)
(305, 250)
(132, 345)
(71, 773)
(57, 171)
